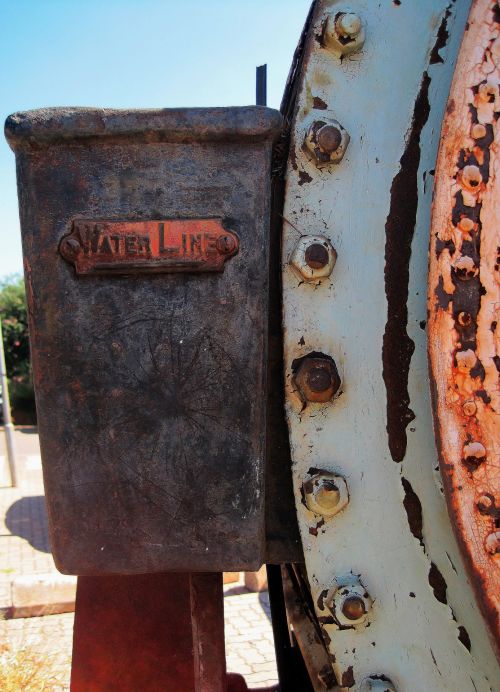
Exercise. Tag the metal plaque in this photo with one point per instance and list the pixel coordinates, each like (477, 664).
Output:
(126, 247)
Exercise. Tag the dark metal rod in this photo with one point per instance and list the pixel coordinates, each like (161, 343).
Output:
(261, 85)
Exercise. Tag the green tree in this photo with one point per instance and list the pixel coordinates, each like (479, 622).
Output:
(14, 315)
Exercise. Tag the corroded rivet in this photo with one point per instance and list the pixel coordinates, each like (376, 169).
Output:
(325, 493)
(485, 504)
(344, 33)
(71, 246)
(465, 224)
(474, 454)
(464, 319)
(317, 256)
(226, 244)
(317, 379)
(488, 92)
(354, 607)
(348, 24)
(313, 258)
(469, 408)
(465, 360)
(329, 138)
(471, 177)
(478, 131)
(492, 543)
(465, 268)
(327, 141)
(349, 602)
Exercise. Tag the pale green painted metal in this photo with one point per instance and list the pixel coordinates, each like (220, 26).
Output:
(412, 637)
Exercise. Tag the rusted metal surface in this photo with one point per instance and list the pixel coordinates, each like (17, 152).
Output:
(151, 388)
(464, 305)
(130, 247)
(307, 631)
(393, 541)
(150, 632)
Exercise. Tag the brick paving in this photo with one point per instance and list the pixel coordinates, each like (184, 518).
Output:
(24, 549)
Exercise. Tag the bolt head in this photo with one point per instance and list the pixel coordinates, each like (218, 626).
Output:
(474, 453)
(492, 543)
(485, 503)
(471, 178)
(469, 408)
(226, 244)
(326, 141)
(70, 247)
(349, 602)
(313, 258)
(316, 256)
(317, 379)
(325, 494)
(343, 33)
(348, 24)
(353, 607)
(465, 268)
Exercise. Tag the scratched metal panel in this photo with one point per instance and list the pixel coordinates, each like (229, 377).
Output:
(423, 630)
(150, 387)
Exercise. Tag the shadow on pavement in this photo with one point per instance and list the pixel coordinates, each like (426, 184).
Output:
(264, 602)
(27, 518)
(27, 430)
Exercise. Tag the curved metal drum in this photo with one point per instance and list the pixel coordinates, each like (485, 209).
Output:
(464, 305)
(391, 596)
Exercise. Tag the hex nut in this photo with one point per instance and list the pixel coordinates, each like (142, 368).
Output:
(309, 255)
(325, 494)
(343, 33)
(317, 379)
(349, 602)
(378, 683)
(326, 141)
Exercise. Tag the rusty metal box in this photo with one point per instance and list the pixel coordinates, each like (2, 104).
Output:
(145, 238)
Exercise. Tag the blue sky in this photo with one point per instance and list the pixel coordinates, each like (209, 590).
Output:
(134, 54)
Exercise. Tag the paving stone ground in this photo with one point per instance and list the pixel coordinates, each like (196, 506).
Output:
(25, 549)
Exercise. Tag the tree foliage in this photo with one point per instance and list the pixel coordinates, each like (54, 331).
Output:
(14, 315)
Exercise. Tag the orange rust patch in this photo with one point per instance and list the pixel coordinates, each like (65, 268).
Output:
(464, 305)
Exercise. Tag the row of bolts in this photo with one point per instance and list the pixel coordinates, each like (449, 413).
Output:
(317, 379)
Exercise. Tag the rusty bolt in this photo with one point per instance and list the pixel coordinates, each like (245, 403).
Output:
(353, 607)
(317, 256)
(466, 225)
(70, 247)
(485, 503)
(325, 493)
(469, 408)
(465, 268)
(226, 244)
(474, 454)
(344, 33)
(488, 92)
(471, 177)
(492, 543)
(464, 319)
(478, 131)
(327, 141)
(317, 379)
(313, 258)
(379, 683)
(349, 602)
